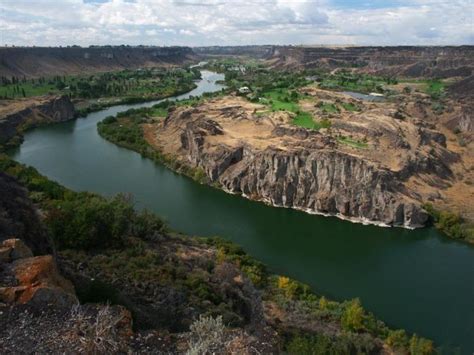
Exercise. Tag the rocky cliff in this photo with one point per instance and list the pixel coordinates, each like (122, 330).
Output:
(48, 61)
(406, 61)
(20, 114)
(263, 157)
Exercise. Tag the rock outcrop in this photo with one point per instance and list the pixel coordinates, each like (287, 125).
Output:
(25, 279)
(325, 182)
(263, 157)
(30, 113)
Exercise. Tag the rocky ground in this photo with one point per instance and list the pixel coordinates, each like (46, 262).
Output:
(378, 162)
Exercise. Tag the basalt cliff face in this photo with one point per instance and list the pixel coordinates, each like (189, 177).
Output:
(407, 61)
(16, 115)
(263, 157)
(44, 61)
(324, 182)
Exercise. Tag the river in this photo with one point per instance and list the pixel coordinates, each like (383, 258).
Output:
(417, 280)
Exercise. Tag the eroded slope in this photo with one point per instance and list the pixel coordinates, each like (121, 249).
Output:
(358, 168)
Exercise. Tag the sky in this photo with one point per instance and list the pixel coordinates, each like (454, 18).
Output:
(236, 22)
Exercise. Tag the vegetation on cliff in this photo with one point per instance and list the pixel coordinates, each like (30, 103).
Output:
(126, 130)
(450, 223)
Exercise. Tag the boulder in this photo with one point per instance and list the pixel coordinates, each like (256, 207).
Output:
(16, 249)
(40, 282)
(31, 280)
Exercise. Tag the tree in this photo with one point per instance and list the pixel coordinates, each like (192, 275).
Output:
(353, 316)
(420, 346)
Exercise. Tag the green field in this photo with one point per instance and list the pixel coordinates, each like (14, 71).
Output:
(27, 90)
(280, 100)
(305, 120)
(435, 88)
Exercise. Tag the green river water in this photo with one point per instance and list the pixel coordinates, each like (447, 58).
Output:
(417, 280)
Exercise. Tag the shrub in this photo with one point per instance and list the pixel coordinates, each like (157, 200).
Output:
(146, 225)
(99, 334)
(326, 123)
(207, 336)
(89, 221)
(322, 344)
(420, 346)
(290, 287)
(323, 303)
(397, 338)
(353, 316)
(109, 120)
(97, 291)
(449, 223)
(309, 345)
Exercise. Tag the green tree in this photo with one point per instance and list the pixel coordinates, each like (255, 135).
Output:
(88, 221)
(420, 346)
(353, 316)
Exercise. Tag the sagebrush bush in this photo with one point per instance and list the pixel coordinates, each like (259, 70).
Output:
(207, 335)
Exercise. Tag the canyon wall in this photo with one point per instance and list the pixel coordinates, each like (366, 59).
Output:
(15, 116)
(45, 61)
(407, 61)
(319, 181)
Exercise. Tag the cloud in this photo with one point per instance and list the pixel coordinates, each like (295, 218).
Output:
(226, 22)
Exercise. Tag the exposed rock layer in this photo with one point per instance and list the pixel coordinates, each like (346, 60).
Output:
(32, 113)
(25, 279)
(47, 61)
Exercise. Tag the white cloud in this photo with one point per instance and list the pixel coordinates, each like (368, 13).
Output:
(209, 22)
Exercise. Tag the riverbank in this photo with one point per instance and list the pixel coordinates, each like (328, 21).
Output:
(278, 311)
